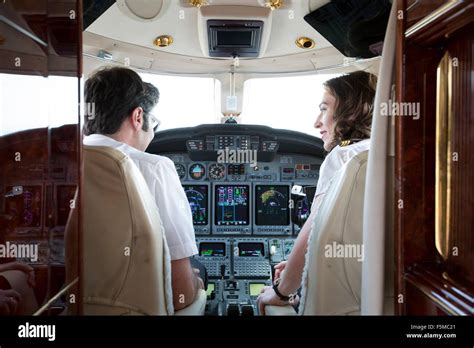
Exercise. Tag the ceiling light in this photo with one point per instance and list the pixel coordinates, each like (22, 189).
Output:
(272, 4)
(198, 3)
(305, 42)
(163, 41)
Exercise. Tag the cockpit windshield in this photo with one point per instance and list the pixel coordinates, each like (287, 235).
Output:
(202, 95)
(289, 102)
(284, 102)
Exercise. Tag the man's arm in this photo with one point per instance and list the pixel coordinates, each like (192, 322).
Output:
(176, 217)
(185, 283)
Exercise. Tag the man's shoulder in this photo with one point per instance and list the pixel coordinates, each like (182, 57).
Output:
(150, 159)
(143, 159)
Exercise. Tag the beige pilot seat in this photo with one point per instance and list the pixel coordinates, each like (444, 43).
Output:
(126, 264)
(332, 281)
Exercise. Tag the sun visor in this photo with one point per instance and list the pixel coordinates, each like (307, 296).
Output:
(234, 31)
(355, 27)
(94, 9)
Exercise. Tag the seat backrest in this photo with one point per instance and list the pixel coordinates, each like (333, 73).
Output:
(126, 265)
(333, 271)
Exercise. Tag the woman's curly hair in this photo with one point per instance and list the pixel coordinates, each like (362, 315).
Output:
(354, 93)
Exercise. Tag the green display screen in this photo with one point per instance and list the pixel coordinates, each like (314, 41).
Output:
(210, 288)
(255, 288)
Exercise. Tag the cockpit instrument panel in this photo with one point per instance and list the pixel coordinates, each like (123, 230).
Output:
(232, 208)
(272, 209)
(198, 199)
(197, 171)
(181, 170)
(217, 171)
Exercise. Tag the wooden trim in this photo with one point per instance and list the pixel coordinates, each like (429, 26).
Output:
(460, 243)
(439, 288)
(431, 18)
(79, 8)
(80, 301)
(422, 274)
(440, 23)
(399, 85)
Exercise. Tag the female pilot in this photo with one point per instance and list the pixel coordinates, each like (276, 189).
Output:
(344, 122)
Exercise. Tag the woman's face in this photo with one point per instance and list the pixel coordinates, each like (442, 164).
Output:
(325, 121)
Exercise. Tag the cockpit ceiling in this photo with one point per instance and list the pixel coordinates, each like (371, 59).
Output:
(127, 32)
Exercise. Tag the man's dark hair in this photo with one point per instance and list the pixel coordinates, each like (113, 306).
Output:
(111, 94)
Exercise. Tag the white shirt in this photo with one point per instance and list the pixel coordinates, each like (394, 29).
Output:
(333, 162)
(163, 181)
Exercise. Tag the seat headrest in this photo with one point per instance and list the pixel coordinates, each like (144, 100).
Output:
(332, 280)
(125, 255)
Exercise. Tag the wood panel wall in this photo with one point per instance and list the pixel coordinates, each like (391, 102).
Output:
(427, 282)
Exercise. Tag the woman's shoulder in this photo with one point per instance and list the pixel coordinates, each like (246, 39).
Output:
(347, 149)
(335, 160)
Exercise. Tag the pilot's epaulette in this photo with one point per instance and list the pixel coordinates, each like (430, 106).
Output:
(348, 142)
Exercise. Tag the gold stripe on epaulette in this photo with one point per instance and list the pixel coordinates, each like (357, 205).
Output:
(344, 143)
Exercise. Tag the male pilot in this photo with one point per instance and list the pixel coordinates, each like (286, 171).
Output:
(122, 119)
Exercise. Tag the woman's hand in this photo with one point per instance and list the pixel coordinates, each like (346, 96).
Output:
(268, 297)
(20, 266)
(279, 268)
(199, 279)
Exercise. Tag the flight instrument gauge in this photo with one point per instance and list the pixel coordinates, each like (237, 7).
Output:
(181, 170)
(197, 171)
(216, 171)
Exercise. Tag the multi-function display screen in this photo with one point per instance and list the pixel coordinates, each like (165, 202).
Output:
(212, 249)
(256, 288)
(25, 208)
(251, 249)
(198, 201)
(232, 205)
(272, 205)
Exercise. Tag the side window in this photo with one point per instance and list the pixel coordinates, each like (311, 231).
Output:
(39, 141)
